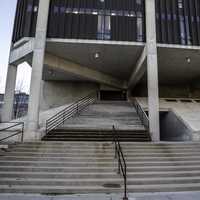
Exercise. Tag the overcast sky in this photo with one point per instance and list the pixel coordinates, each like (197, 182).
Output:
(7, 14)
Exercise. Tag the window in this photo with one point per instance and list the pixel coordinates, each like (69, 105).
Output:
(139, 29)
(104, 27)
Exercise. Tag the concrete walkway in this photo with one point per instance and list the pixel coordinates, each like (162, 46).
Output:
(151, 196)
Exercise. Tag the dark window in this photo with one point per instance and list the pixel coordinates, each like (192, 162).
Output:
(178, 21)
(25, 19)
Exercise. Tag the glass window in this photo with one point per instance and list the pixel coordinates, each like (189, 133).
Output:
(139, 30)
(104, 27)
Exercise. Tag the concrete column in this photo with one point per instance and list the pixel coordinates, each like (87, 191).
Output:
(37, 68)
(7, 112)
(152, 70)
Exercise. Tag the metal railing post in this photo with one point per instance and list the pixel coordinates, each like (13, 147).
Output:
(22, 137)
(119, 172)
(122, 168)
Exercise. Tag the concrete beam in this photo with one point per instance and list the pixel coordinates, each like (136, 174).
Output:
(17, 54)
(81, 71)
(139, 70)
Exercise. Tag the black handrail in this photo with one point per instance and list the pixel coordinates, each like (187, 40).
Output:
(122, 167)
(70, 111)
(142, 114)
(15, 132)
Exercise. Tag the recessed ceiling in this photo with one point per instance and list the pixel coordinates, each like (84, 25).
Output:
(115, 60)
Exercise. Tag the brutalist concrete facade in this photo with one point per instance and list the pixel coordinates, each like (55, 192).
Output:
(136, 46)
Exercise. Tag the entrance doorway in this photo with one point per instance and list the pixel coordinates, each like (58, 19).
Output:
(113, 95)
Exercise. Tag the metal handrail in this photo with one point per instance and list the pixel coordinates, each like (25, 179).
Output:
(122, 167)
(70, 111)
(142, 114)
(15, 132)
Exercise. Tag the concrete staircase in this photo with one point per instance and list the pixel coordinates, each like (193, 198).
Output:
(89, 167)
(95, 124)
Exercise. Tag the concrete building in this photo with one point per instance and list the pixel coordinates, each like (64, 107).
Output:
(142, 57)
(140, 48)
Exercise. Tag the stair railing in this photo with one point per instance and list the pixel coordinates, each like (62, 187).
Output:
(70, 111)
(122, 167)
(142, 114)
(10, 129)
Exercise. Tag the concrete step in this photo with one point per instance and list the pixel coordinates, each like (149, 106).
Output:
(97, 135)
(95, 139)
(98, 189)
(60, 182)
(106, 156)
(57, 175)
(77, 169)
(133, 145)
(98, 151)
(57, 190)
(89, 149)
(54, 173)
(87, 167)
(96, 181)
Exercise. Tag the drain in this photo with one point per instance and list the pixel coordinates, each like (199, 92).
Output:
(112, 185)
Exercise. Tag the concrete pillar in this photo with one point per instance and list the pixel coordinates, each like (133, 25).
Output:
(37, 68)
(7, 112)
(152, 70)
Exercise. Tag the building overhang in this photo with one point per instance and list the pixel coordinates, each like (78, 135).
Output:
(114, 58)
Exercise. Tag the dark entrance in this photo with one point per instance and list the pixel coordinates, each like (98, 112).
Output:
(111, 95)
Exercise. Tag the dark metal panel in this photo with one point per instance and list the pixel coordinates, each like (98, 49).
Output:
(75, 26)
(169, 21)
(158, 22)
(163, 21)
(61, 24)
(34, 18)
(68, 25)
(28, 18)
(197, 9)
(51, 22)
(82, 30)
(15, 31)
(193, 22)
(21, 16)
(187, 24)
(175, 22)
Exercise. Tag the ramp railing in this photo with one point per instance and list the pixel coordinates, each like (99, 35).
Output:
(142, 114)
(70, 111)
(12, 129)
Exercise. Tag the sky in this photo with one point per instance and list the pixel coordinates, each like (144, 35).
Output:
(7, 15)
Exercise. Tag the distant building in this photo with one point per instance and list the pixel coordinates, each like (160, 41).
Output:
(20, 107)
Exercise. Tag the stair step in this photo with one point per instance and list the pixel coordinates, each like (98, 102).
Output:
(51, 173)
(98, 189)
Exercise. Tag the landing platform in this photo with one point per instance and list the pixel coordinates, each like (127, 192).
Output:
(186, 110)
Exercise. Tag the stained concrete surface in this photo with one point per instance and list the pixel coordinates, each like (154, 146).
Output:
(147, 196)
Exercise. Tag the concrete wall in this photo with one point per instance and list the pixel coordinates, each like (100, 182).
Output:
(172, 128)
(58, 93)
(169, 91)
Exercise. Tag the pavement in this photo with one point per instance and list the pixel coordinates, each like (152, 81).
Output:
(147, 196)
